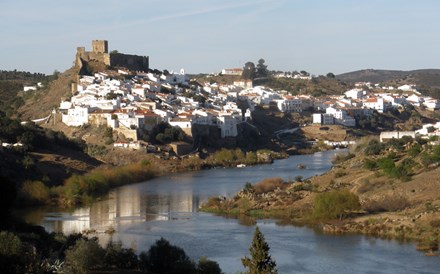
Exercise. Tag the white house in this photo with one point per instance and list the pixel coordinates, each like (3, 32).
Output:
(232, 71)
(341, 117)
(76, 117)
(407, 88)
(431, 103)
(375, 103)
(355, 93)
(323, 119)
(228, 126)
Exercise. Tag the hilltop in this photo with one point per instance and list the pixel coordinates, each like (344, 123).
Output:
(426, 78)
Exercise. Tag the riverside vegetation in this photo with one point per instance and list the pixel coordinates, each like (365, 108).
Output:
(389, 190)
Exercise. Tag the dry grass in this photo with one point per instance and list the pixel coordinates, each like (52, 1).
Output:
(268, 185)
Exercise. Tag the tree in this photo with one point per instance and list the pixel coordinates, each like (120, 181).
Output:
(335, 204)
(262, 69)
(330, 75)
(206, 266)
(260, 261)
(248, 71)
(85, 255)
(163, 257)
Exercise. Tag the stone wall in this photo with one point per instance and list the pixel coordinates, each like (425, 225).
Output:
(100, 54)
(132, 62)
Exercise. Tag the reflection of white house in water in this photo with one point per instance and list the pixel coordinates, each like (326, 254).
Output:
(126, 206)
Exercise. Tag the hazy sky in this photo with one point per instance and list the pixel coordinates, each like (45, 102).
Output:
(318, 36)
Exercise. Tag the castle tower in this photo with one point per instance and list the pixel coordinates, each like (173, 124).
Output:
(100, 46)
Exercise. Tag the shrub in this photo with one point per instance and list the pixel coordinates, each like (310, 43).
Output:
(386, 203)
(206, 266)
(213, 202)
(163, 257)
(335, 204)
(374, 147)
(34, 192)
(84, 256)
(268, 185)
(119, 257)
(10, 244)
(340, 158)
(370, 164)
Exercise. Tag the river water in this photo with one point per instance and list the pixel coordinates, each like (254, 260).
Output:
(167, 207)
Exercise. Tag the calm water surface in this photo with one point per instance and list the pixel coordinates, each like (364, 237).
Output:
(167, 207)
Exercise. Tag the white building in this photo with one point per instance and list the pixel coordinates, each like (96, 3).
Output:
(323, 119)
(228, 126)
(76, 117)
(376, 103)
(355, 93)
(232, 71)
(341, 117)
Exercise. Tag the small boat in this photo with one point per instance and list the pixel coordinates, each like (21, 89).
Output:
(241, 165)
(300, 166)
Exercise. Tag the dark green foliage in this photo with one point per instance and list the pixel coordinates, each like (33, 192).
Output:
(261, 69)
(373, 147)
(164, 133)
(164, 258)
(206, 266)
(260, 261)
(370, 164)
(11, 248)
(118, 257)
(401, 171)
(248, 71)
(84, 256)
(335, 204)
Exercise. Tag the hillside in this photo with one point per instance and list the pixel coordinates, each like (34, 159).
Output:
(40, 103)
(429, 77)
(393, 188)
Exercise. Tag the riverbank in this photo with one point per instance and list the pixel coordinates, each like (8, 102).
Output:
(391, 201)
(82, 189)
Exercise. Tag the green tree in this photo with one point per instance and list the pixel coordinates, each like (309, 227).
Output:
(262, 69)
(335, 204)
(163, 257)
(248, 71)
(85, 255)
(206, 266)
(330, 75)
(260, 261)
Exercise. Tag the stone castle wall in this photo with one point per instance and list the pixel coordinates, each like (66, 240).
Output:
(100, 54)
(132, 62)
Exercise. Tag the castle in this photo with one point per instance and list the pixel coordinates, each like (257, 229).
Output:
(100, 54)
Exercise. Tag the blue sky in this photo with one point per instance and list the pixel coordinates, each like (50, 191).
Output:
(318, 36)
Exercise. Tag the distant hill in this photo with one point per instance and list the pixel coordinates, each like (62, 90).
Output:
(428, 77)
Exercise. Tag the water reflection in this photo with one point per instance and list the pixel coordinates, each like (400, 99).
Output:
(167, 207)
(177, 196)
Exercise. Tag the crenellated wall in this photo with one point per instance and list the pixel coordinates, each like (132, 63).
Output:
(100, 54)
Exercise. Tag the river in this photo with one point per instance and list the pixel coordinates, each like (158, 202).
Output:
(167, 207)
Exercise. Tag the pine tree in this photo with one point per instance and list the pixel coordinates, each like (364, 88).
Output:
(260, 261)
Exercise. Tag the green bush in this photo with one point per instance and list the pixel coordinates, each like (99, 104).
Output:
(10, 244)
(335, 204)
(34, 192)
(206, 266)
(163, 257)
(370, 164)
(374, 147)
(84, 256)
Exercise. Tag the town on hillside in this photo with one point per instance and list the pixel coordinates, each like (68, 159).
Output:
(134, 101)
